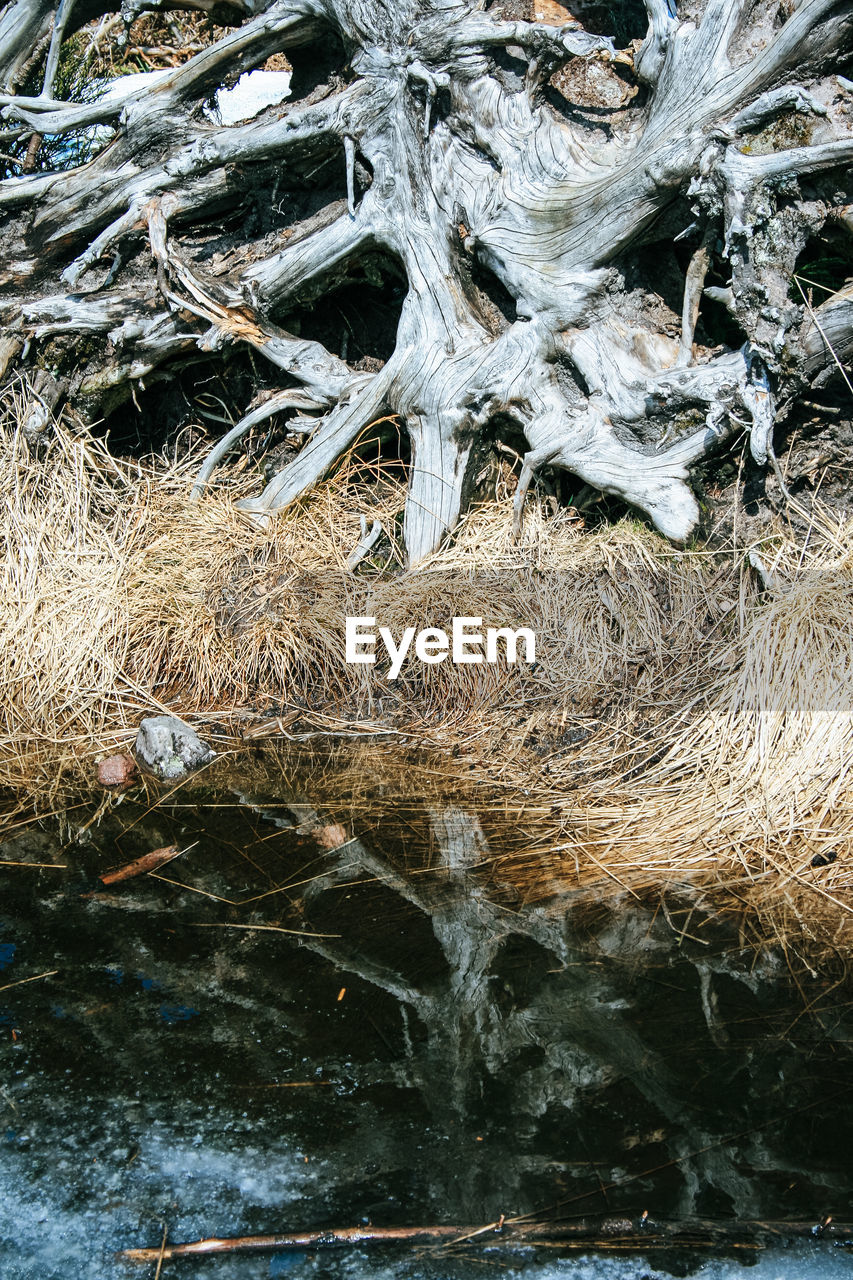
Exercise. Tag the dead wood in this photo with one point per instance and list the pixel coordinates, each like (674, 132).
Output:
(639, 1234)
(726, 129)
(141, 866)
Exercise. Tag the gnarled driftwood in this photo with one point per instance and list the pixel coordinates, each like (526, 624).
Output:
(458, 164)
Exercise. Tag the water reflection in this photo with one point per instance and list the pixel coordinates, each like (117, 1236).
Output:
(343, 1003)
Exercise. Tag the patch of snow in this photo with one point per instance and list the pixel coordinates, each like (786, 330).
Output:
(135, 81)
(252, 94)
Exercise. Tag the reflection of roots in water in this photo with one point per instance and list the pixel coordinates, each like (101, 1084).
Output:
(401, 819)
(507, 980)
(534, 850)
(451, 903)
(421, 815)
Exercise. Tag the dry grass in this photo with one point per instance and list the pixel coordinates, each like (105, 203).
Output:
(757, 772)
(677, 718)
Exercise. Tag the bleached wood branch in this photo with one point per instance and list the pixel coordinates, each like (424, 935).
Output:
(449, 164)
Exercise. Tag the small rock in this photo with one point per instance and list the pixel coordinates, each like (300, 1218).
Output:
(170, 748)
(116, 771)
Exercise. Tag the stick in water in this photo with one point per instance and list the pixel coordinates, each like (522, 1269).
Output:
(611, 1233)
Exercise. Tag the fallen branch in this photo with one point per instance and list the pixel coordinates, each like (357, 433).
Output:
(601, 1233)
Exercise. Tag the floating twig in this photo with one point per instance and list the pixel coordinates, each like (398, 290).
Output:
(609, 1233)
(35, 978)
(60, 865)
(290, 1084)
(264, 928)
(148, 862)
(162, 1252)
(271, 728)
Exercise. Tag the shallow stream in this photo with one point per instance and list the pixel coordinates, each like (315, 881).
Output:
(357, 998)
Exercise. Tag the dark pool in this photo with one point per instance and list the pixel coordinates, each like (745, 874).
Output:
(356, 999)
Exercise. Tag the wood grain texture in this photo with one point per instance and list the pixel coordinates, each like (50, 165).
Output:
(459, 163)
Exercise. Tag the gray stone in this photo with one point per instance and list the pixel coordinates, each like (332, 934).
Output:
(170, 748)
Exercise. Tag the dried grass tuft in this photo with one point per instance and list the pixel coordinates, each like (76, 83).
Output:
(678, 718)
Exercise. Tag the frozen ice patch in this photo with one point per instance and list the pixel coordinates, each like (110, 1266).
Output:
(62, 1217)
(790, 1264)
(268, 1178)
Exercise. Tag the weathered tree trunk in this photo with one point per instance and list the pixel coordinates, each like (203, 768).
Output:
(732, 121)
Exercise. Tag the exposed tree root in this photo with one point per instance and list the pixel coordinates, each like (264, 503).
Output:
(455, 162)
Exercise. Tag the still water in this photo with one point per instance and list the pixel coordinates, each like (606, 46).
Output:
(361, 996)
